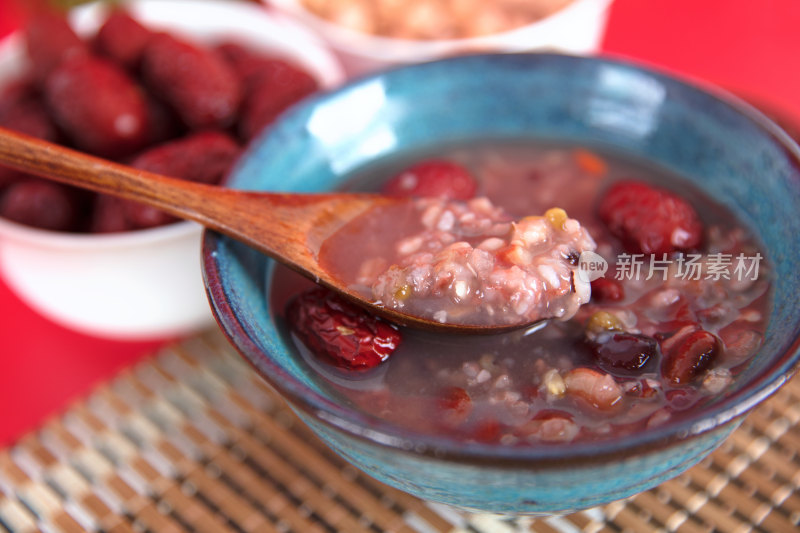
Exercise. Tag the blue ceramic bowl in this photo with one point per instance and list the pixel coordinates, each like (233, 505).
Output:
(723, 146)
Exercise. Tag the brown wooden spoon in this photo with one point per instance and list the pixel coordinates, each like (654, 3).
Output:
(287, 227)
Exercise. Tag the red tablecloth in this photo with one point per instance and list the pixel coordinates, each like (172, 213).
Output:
(752, 48)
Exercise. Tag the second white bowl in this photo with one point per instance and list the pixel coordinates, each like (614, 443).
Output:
(576, 29)
(146, 283)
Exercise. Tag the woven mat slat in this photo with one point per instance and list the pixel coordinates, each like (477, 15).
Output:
(306, 482)
(254, 490)
(192, 440)
(335, 478)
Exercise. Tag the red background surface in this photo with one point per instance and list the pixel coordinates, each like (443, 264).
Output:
(754, 50)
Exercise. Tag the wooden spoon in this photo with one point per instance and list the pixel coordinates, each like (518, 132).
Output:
(287, 227)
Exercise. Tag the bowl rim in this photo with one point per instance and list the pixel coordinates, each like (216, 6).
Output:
(396, 49)
(375, 431)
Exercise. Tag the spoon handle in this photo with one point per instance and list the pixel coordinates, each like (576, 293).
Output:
(177, 197)
(287, 227)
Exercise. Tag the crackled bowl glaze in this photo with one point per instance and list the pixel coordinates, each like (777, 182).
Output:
(722, 145)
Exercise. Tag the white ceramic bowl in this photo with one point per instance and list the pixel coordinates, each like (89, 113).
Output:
(576, 29)
(146, 283)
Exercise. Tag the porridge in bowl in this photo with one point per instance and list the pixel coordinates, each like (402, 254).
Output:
(678, 304)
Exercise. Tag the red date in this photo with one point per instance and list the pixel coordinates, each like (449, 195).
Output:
(443, 179)
(197, 82)
(98, 105)
(650, 220)
(340, 332)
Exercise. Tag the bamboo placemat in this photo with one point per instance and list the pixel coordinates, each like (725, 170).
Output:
(193, 440)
